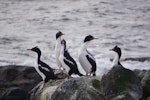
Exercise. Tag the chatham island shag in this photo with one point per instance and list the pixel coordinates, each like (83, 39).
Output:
(58, 48)
(44, 70)
(86, 59)
(116, 60)
(67, 61)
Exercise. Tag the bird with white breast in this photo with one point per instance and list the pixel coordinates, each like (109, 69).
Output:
(86, 59)
(116, 60)
(44, 70)
(57, 49)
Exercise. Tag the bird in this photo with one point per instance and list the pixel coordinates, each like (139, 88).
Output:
(58, 48)
(44, 70)
(116, 60)
(67, 61)
(86, 59)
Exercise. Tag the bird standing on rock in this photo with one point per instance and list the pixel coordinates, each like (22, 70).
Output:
(45, 71)
(86, 59)
(57, 49)
(116, 60)
(67, 61)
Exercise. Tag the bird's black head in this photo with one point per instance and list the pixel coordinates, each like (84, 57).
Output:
(63, 42)
(58, 34)
(89, 38)
(36, 49)
(117, 50)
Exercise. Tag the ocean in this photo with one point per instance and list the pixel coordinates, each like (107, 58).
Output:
(28, 23)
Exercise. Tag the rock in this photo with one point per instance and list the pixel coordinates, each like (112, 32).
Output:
(44, 93)
(83, 88)
(10, 74)
(121, 84)
(146, 84)
(15, 93)
(140, 73)
(47, 93)
(118, 84)
(144, 76)
(22, 76)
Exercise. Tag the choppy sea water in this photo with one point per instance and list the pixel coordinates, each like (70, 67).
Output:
(28, 23)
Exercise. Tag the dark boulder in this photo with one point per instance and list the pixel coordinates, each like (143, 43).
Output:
(146, 84)
(10, 74)
(21, 76)
(15, 93)
(121, 84)
(140, 73)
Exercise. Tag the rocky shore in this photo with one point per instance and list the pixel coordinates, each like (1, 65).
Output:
(16, 83)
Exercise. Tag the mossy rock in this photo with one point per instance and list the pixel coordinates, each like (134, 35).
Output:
(124, 79)
(120, 80)
(96, 84)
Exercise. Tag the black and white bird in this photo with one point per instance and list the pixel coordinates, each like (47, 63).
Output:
(44, 70)
(86, 59)
(67, 61)
(58, 48)
(116, 60)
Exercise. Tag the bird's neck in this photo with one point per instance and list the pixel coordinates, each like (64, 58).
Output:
(58, 40)
(84, 46)
(38, 58)
(63, 48)
(116, 60)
